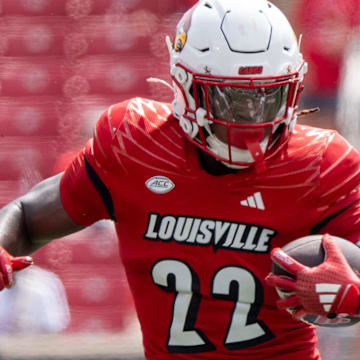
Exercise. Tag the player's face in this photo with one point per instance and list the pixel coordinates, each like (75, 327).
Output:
(245, 106)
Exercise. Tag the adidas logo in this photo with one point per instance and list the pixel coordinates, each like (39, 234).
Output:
(254, 201)
(327, 295)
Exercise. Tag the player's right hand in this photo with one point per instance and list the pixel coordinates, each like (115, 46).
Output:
(8, 265)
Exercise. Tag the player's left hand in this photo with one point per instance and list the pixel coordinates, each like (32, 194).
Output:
(9, 264)
(329, 289)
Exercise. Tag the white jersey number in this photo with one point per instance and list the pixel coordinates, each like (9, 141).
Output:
(232, 283)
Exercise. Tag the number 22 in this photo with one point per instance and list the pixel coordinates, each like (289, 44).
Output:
(233, 283)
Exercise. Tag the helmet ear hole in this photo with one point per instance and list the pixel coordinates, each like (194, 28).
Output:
(179, 74)
(189, 128)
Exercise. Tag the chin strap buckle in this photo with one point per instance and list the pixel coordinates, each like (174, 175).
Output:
(201, 118)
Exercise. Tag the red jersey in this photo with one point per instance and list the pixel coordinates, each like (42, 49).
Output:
(196, 246)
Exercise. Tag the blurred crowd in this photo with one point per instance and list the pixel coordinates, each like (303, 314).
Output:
(327, 28)
(63, 62)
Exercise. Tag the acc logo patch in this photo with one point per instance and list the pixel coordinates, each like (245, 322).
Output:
(159, 184)
(182, 30)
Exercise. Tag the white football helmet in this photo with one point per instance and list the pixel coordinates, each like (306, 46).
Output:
(237, 73)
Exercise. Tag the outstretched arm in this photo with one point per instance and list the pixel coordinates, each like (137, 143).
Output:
(34, 219)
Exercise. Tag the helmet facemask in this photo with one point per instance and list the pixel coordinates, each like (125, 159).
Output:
(242, 121)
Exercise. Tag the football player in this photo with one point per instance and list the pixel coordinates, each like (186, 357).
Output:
(201, 190)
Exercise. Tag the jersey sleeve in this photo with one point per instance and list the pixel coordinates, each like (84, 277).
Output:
(78, 194)
(339, 196)
(83, 186)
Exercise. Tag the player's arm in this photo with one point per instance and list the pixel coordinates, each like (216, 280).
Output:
(338, 203)
(30, 222)
(62, 204)
(35, 218)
